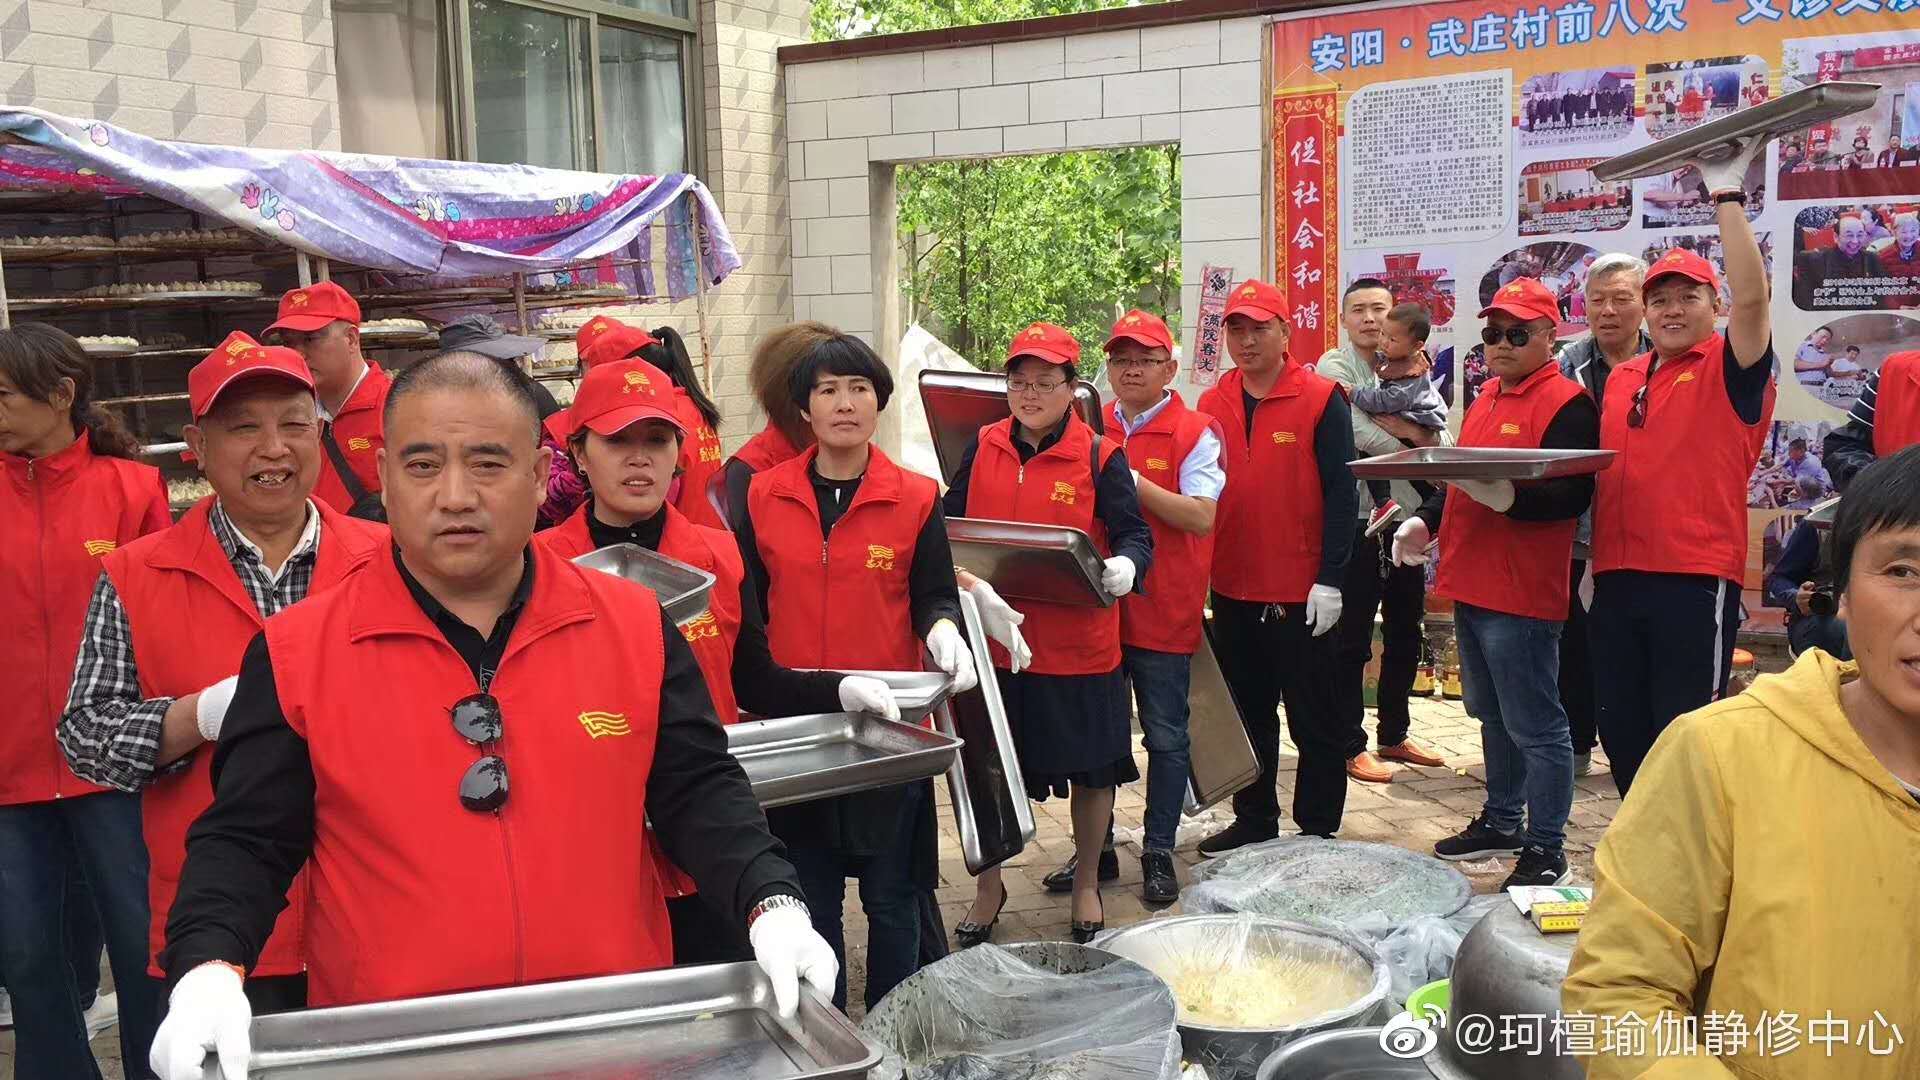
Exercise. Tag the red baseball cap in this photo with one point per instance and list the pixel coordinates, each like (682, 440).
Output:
(615, 395)
(1146, 328)
(1054, 344)
(1525, 299)
(1685, 263)
(314, 306)
(602, 340)
(240, 357)
(1256, 300)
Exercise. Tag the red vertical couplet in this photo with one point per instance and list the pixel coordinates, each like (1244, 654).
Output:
(1306, 182)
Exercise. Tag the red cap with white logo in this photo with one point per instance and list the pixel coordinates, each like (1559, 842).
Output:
(240, 357)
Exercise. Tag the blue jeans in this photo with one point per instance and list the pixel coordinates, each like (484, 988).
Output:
(888, 895)
(1510, 677)
(39, 843)
(1160, 681)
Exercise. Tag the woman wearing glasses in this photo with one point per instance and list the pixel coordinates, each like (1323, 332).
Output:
(1068, 707)
(624, 437)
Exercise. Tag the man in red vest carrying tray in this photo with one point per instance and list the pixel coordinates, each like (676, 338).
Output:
(321, 322)
(375, 729)
(173, 612)
(1883, 420)
(1504, 550)
(1670, 514)
(1282, 534)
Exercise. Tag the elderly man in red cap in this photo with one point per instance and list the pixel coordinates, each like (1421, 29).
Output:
(1282, 535)
(1503, 556)
(321, 322)
(1670, 516)
(146, 697)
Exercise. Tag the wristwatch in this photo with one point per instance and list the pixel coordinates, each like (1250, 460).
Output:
(1730, 196)
(773, 903)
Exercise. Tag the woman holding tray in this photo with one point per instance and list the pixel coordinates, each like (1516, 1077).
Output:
(1069, 707)
(624, 436)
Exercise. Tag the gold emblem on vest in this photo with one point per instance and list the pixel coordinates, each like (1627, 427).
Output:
(1157, 463)
(359, 443)
(605, 723)
(1284, 438)
(97, 548)
(879, 557)
(1063, 492)
(1509, 429)
(701, 626)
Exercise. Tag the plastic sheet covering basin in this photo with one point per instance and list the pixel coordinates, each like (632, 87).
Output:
(1333, 882)
(1027, 1012)
(1248, 984)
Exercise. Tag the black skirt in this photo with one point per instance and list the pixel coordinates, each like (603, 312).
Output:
(1070, 730)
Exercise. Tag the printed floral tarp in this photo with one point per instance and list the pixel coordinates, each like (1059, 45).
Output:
(452, 220)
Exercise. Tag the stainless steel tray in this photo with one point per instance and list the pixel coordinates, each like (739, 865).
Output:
(693, 1023)
(960, 403)
(1715, 139)
(989, 796)
(1222, 760)
(1050, 563)
(682, 589)
(916, 692)
(1481, 463)
(801, 758)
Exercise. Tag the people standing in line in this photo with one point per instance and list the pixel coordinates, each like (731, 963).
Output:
(622, 431)
(1615, 317)
(1371, 582)
(1282, 534)
(786, 433)
(71, 492)
(321, 322)
(1883, 420)
(1067, 700)
(1670, 544)
(147, 700)
(1502, 549)
(848, 556)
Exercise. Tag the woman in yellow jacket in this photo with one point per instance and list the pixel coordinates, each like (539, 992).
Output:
(1765, 875)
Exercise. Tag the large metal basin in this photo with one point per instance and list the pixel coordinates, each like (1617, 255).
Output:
(1353, 1054)
(1505, 968)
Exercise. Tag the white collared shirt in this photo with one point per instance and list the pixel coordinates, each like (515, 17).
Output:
(1201, 476)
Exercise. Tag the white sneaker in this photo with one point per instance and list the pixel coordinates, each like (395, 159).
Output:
(6, 1009)
(104, 1014)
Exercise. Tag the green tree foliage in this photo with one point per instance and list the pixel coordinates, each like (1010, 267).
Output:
(987, 247)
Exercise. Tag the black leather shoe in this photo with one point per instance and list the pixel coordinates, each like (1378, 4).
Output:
(969, 934)
(1158, 883)
(1237, 835)
(1061, 880)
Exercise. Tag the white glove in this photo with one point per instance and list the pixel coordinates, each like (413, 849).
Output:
(1730, 173)
(207, 1011)
(1002, 624)
(951, 655)
(861, 694)
(1323, 608)
(1136, 477)
(210, 711)
(1410, 543)
(788, 949)
(1116, 575)
(1495, 495)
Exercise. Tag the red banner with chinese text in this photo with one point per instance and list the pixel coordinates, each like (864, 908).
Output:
(1306, 226)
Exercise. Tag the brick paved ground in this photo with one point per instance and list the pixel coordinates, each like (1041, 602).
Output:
(1419, 807)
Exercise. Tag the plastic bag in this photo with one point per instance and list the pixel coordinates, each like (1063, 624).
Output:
(1327, 882)
(986, 1014)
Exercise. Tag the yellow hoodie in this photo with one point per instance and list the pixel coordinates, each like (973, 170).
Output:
(1765, 863)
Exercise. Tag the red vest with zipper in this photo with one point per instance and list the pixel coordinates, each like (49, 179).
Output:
(182, 578)
(1674, 501)
(414, 894)
(841, 601)
(59, 516)
(1896, 408)
(765, 450)
(700, 459)
(1266, 532)
(1054, 487)
(1488, 559)
(357, 428)
(1167, 618)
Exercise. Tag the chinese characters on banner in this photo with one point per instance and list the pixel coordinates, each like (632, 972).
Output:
(1306, 182)
(1215, 283)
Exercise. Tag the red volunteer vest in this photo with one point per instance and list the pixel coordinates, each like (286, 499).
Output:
(700, 459)
(59, 516)
(1054, 487)
(1675, 499)
(1488, 559)
(1896, 409)
(1267, 528)
(412, 893)
(182, 578)
(1167, 618)
(841, 601)
(765, 450)
(357, 428)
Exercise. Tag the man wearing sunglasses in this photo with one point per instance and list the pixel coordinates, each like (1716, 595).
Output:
(465, 743)
(1503, 557)
(1687, 420)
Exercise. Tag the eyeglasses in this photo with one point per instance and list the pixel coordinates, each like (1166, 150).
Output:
(477, 719)
(1043, 386)
(1637, 416)
(1517, 336)
(1124, 362)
